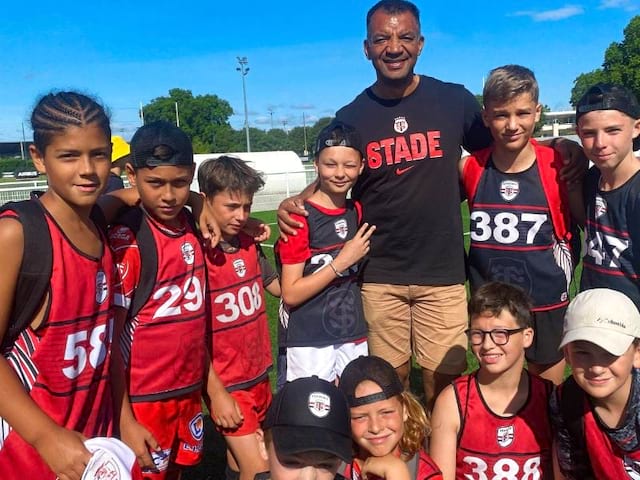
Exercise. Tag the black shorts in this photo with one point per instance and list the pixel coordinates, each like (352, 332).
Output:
(547, 327)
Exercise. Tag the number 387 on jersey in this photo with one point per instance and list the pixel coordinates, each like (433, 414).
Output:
(509, 228)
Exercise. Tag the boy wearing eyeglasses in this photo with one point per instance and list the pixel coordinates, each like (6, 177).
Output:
(494, 421)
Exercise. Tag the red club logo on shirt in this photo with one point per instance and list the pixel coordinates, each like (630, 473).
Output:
(400, 124)
(240, 267)
(102, 289)
(509, 189)
(342, 229)
(601, 206)
(188, 253)
(505, 435)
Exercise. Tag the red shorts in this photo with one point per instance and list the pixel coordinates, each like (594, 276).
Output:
(177, 425)
(253, 403)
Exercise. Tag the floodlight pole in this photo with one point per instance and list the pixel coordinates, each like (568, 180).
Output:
(243, 69)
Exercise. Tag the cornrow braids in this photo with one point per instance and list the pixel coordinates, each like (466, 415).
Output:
(55, 112)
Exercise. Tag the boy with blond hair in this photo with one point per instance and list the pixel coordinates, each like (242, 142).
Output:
(519, 211)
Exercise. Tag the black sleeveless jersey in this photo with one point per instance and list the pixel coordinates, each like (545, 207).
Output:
(512, 238)
(612, 237)
(334, 315)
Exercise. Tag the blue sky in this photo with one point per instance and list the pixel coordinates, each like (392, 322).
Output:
(304, 56)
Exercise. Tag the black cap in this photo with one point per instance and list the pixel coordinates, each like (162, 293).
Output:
(160, 143)
(607, 96)
(338, 134)
(310, 414)
(372, 368)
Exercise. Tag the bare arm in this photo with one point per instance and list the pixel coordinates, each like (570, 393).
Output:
(389, 467)
(135, 435)
(224, 410)
(297, 288)
(287, 225)
(62, 450)
(445, 424)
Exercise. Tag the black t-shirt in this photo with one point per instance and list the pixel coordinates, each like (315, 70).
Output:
(409, 188)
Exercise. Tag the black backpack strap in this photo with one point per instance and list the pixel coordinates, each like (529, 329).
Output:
(35, 270)
(135, 220)
(572, 408)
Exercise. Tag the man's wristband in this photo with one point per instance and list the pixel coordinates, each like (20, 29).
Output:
(333, 267)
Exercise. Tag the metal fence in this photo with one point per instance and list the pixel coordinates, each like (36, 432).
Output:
(278, 186)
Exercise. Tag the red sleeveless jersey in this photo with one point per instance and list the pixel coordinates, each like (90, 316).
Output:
(164, 344)
(607, 460)
(239, 340)
(495, 447)
(64, 364)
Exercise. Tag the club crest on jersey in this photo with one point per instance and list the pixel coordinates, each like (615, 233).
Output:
(240, 267)
(509, 189)
(319, 404)
(505, 435)
(342, 229)
(107, 469)
(188, 253)
(601, 206)
(102, 289)
(400, 124)
(196, 427)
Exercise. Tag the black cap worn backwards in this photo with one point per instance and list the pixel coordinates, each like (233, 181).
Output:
(374, 369)
(607, 96)
(310, 414)
(338, 134)
(160, 143)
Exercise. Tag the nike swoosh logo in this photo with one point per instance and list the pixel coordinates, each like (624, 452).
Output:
(400, 171)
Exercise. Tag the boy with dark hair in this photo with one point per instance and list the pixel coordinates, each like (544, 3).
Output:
(306, 431)
(495, 419)
(163, 311)
(238, 388)
(608, 120)
(595, 411)
(519, 212)
(322, 307)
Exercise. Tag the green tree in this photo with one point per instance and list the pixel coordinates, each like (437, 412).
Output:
(621, 64)
(205, 118)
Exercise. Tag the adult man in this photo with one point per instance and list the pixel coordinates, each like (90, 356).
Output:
(412, 128)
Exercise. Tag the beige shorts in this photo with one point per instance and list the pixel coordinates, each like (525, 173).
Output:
(426, 321)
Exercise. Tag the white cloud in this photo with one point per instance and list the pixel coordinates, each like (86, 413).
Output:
(554, 15)
(627, 5)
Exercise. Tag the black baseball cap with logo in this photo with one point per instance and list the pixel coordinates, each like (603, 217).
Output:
(160, 143)
(310, 414)
(339, 134)
(374, 369)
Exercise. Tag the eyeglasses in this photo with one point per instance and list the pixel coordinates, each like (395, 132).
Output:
(499, 336)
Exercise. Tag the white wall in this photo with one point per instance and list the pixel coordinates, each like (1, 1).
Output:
(283, 172)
